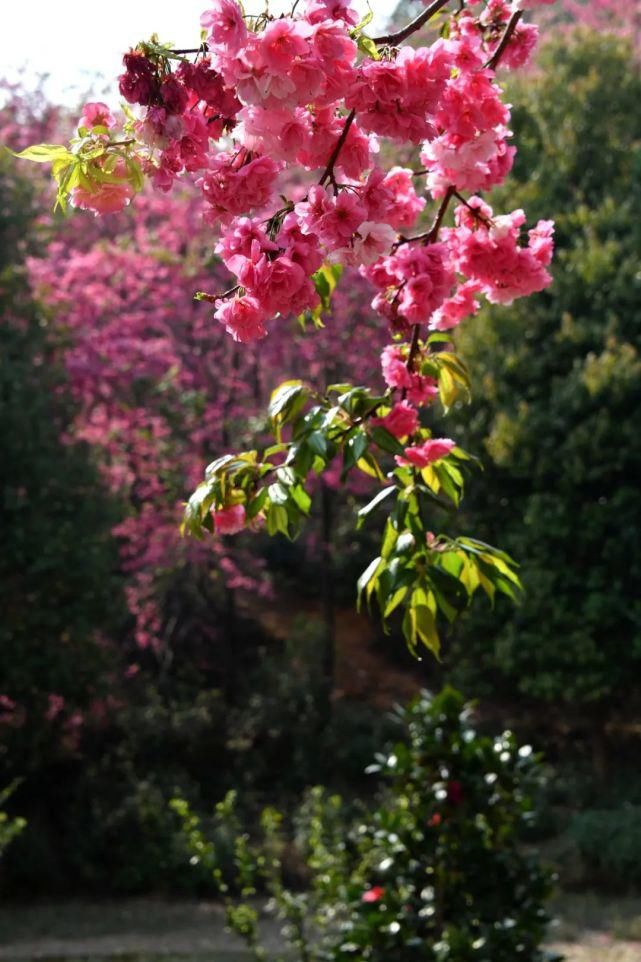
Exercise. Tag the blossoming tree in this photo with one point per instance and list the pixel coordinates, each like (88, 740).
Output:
(303, 103)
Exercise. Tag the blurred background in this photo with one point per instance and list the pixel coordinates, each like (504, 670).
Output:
(136, 667)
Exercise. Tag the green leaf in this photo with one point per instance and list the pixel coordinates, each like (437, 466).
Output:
(278, 494)
(256, 504)
(277, 520)
(376, 500)
(446, 389)
(286, 399)
(215, 467)
(357, 446)
(274, 449)
(439, 338)
(367, 580)
(386, 441)
(390, 537)
(370, 466)
(367, 19)
(318, 443)
(367, 46)
(45, 153)
(301, 498)
(419, 623)
(325, 280)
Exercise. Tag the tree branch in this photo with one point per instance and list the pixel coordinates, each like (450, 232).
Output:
(328, 173)
(493, 62)
(393, 39)
(204, 48)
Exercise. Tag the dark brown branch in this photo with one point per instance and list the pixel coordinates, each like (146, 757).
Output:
(416, 333)
(393, 39)
(475, 210)
(328, 173)
(493, 62)
(204, 48)
(440, 214)
(430, 236)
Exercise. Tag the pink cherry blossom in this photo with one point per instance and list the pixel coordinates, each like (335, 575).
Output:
(422, 455)
(490, 253)
(225, 25)
(243, 318)
(97, 115)
(229, 520)
(104, 197)
(401, 420)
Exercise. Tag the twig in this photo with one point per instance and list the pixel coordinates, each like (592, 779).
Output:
(475, 210)
(505, 39)
(212, 298)
(328, 173)
(393, 39)
(430, 236)
(204, 48)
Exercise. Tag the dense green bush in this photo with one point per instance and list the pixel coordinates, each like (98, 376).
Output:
(609, 843)
(562, 451)
(435, 870)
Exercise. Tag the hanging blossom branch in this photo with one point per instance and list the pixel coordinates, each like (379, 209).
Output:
(310, 93)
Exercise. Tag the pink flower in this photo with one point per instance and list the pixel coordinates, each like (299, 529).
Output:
(405, 205)
(229, 520)
(417, 281)
(462, 304)
(394, 367)
(401, 420)
(319, 10)
(277, 283)
(103, 197)
(490, 254)
(225, 25)
(233, 187)
(370, 242)
(235, 246)
(243, 318)
(97, 115)
(421, 455)
(344, 215)
(282, 42)
(174, 95)
(375, 894)
(521, 46)
(138, 84)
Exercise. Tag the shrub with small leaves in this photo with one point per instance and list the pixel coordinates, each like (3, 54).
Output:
(435, 870)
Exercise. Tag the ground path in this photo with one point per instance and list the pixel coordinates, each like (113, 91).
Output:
(155, 930)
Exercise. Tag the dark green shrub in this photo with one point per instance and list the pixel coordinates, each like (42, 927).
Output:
(609, 843)
(434, 871)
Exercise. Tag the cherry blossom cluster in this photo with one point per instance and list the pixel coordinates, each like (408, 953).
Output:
(283, 124)
(305, 90)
